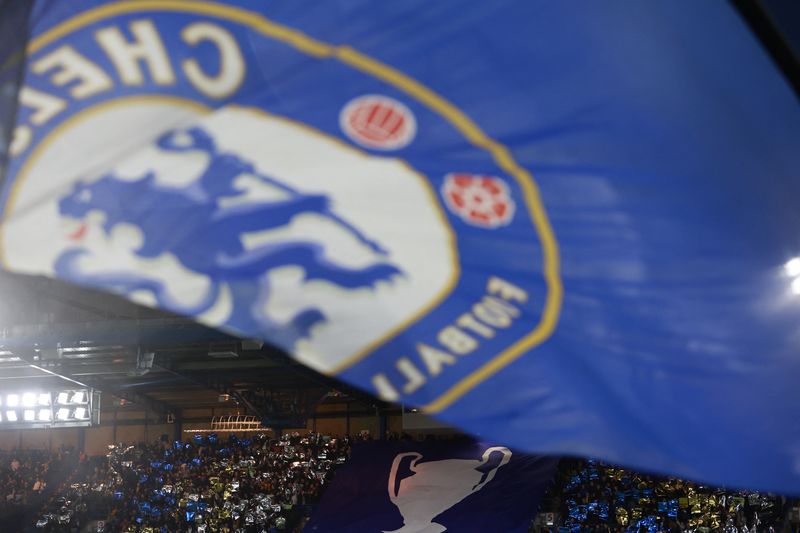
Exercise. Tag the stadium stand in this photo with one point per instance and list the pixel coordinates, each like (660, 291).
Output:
(229, 484)
(208, 483)
(589, 496)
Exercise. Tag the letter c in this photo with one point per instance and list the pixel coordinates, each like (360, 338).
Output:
(231, 64)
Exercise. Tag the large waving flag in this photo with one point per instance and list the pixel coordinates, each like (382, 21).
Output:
(431, 487)
(570, 229)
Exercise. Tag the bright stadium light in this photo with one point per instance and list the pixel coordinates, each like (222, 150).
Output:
(53, 407)
(29, 399)
(792, 267)
(796, 285)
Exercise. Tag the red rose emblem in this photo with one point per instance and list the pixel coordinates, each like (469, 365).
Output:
(479, 200)
(378, 122)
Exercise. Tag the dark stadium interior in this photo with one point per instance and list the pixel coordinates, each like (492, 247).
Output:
(153, 360)
(159, 376)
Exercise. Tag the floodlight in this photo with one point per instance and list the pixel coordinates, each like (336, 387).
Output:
(29, 399)
(796, 285)
(57, 407)
(792, 266)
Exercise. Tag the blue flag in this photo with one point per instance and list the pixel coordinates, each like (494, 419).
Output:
(573, 230)
(406, 487)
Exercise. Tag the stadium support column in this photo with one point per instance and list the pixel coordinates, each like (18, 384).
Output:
(81, 439)
(382, 419)
(347, 419)
(179, 425)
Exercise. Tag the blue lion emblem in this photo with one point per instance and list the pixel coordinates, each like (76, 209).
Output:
(204, 237)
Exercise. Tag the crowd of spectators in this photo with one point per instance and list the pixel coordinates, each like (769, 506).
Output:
(588, 496)
(225, 484)
(28, 478)
(23, 474)
(208, 483)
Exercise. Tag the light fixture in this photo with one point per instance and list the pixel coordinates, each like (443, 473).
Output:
(792, 267)
(796, 285)
(37, 408)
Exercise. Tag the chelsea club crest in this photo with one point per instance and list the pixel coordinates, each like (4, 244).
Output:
(207, 160)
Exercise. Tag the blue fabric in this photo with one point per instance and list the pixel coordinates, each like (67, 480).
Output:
(358, 499)
(645, 162)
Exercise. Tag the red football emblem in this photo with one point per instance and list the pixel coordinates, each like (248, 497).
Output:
(378, 122)
(479, 200)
